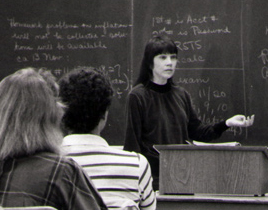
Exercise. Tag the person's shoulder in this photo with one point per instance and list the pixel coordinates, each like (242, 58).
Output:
(177, 87)
(122, 152)
(140, 157)
(48, 156)
(56, 159)
(138, 89)
(140, 92)
(144, 165)
(180, 90)
(128, 157)
(137, 93)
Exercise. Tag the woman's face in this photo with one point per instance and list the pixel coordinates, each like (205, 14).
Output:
(163, 68)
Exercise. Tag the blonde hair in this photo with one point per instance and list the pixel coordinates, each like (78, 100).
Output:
(30, 115)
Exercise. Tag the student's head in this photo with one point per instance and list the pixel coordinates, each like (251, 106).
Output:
(30, 115)
(87, 93)
(155, 46)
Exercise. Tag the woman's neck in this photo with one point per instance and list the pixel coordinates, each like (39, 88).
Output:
(159, 81)
(159, 88)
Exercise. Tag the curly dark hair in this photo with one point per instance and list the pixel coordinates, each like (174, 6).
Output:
(87, 93)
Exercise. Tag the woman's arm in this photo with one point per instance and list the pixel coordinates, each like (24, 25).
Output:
(133, 124)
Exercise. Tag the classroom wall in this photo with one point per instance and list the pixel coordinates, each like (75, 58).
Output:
(222, 50)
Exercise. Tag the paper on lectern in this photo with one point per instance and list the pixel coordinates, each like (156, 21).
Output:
(199, 143)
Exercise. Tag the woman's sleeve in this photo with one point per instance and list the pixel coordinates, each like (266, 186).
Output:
(199, 131)
(133, 128)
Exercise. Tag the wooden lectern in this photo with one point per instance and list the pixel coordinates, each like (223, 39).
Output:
(189, 169)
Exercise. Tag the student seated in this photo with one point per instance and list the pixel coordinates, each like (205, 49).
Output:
(32, 171)
(123, 178)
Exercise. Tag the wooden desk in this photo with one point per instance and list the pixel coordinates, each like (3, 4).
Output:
(211, 202)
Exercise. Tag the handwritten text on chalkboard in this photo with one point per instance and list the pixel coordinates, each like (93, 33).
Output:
(59, 43)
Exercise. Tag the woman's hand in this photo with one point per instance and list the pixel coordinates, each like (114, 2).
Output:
(240, 121)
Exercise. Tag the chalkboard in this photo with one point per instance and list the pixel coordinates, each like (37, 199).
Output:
(223, 60)
(223, 50)
(60, 35)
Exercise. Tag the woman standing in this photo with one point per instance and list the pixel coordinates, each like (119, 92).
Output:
(160, 112)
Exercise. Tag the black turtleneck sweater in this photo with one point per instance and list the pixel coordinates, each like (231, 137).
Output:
(163, 114)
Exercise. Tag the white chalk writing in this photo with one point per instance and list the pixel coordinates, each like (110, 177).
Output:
(59, 42)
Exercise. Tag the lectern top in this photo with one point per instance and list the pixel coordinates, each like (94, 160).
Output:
(263, 149)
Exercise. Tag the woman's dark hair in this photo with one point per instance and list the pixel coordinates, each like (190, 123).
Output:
(155, 46)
